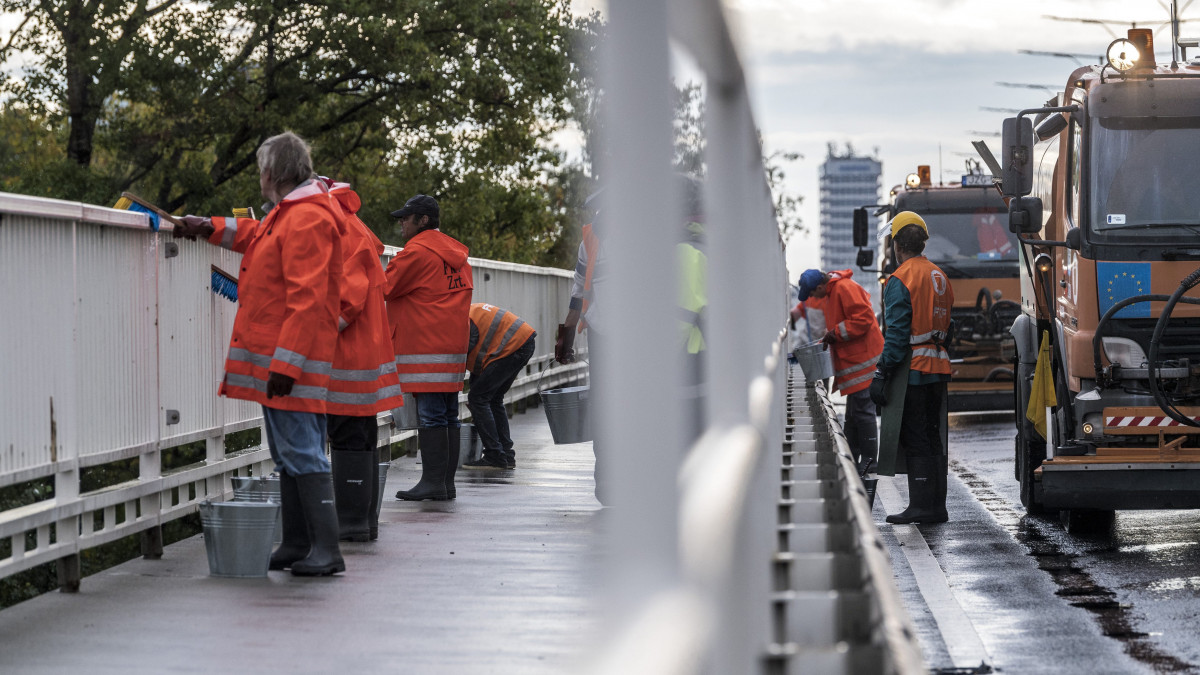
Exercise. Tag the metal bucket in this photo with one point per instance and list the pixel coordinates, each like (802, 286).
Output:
(405, 417)
(259, 489)
(470, 446)
(567, 412)
(815, 360)
(237, 537)
(383, 468)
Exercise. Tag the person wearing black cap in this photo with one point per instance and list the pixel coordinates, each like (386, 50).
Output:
(428, 294)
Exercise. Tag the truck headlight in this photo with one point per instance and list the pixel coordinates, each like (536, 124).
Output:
(1124, 352)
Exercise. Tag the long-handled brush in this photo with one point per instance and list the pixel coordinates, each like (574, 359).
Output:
(132, 202)
(224, 284)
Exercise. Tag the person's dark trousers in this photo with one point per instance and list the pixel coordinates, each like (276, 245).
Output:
(862, 432)
(486, 401)
(596, 382)
(352, 442)
(438, 413)
(921, 438)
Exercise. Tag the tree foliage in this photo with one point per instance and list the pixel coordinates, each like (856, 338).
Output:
(453, 98)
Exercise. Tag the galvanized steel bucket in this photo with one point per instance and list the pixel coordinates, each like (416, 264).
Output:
(567, 412)
(259, 489)
(470, 446)
(237, 537)
(405, 417)
(815, 360)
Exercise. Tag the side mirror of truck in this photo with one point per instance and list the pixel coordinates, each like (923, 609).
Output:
(1025, 215)
(865, 258)
(1017, 156)
(1073, 239)
(861, 226)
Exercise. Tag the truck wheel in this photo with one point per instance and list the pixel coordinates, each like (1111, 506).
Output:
(1029, 446)
(1087, 521)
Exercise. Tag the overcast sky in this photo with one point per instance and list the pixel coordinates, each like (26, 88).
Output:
(908, 76)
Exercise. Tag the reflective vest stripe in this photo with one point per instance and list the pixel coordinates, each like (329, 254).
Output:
(368, 398)
(424, 359)
(933, 352)
(857, 366)
(367, 375)
(858, 380)
(298, 390)
(430, 377)
(230, 233)
(263, 361)
(507, 338)
(486, 340)
(926, 337)
(841, 327)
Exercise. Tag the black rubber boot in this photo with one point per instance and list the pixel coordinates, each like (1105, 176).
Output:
(295, 532)
(923, 505)
(454, 447)
(353, 486)
(488, 460)
(316, 498)
(432, 442)
(377, 500)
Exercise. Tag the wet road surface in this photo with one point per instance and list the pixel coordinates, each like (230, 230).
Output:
(1037, 599)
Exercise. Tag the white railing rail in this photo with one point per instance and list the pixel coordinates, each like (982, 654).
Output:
(113, 346)
(697, 537)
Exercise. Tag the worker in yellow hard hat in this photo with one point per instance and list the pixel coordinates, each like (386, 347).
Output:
(911, 376)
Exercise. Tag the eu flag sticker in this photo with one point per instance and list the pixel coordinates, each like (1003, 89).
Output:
(1116, 281)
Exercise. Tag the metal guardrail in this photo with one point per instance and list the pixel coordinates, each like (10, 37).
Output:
(709, 562)
(113, 348)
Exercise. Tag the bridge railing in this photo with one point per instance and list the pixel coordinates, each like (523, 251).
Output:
(695, 537)
(113, 346)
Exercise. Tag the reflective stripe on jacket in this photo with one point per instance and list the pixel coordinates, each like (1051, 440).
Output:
(288, 296)
(500, 333)
(857, 342)
(428, 293)
(932, 297)
(363, 381)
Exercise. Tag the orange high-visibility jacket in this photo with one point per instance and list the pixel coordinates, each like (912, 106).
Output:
(932, 297)
(363, 381)
(289, 288)
(857, 340)
(500, 332)
(428, 293)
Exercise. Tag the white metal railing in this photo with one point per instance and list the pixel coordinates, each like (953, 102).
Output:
(695, 536)
(113, 346)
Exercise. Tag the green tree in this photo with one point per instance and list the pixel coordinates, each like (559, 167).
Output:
(453, 98)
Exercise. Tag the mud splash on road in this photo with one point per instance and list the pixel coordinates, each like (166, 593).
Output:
(1075, 585)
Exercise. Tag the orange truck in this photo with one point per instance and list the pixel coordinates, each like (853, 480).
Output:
(970, 241)
(1102, 189)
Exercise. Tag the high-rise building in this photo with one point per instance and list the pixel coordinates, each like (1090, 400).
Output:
(848, 181)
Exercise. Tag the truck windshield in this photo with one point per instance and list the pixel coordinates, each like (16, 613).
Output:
(1145, 176)
(969, 239)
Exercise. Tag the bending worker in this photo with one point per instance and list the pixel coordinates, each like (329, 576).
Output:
(501, 344)
(910, 379)
(837, 302)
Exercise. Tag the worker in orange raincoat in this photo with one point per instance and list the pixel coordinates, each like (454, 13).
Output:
(363, 382)
(284, 339)
(428, 294)
(839, 312)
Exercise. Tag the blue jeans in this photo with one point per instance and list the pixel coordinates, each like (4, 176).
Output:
(296, 440)
(486, 398)
(437, 408)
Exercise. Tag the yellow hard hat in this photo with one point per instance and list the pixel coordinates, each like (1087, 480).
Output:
(905, 218)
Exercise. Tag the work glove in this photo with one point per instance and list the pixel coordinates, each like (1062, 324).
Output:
(829, 338)
(564, 344)
(878, 390)
(279, 385)
(194, 226)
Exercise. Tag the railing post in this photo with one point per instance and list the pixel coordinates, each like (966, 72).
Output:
(638, 368)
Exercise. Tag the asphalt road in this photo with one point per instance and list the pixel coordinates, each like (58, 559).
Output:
(1026, 596)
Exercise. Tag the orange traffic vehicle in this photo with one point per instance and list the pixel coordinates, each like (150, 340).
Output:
(969, 239)
(1101, 188)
